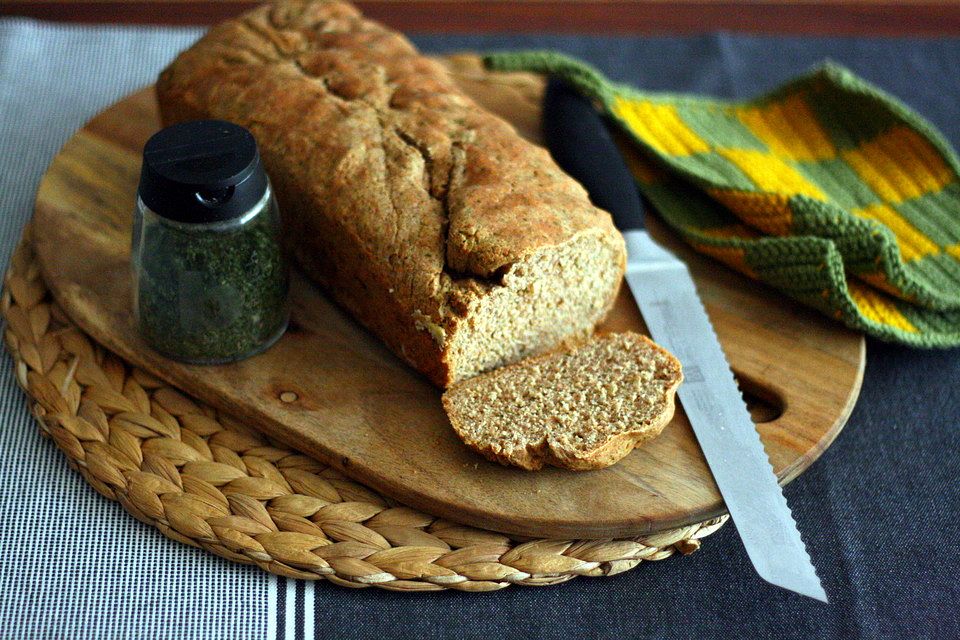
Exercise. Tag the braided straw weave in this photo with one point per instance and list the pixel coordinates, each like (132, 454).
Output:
(206, 480)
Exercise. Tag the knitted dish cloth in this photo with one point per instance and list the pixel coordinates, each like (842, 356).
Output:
(827, 188)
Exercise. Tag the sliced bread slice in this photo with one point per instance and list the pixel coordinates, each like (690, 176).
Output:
(583, 407)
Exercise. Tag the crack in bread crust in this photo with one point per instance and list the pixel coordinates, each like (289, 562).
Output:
(400, 195)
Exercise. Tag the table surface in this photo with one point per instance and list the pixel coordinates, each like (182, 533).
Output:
(850, 17)
(878, 510)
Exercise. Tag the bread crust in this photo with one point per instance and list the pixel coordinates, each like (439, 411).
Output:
(402, 197)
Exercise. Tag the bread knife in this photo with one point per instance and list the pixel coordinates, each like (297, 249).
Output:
(581, 144)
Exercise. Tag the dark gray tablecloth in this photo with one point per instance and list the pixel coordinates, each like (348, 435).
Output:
(879, 510)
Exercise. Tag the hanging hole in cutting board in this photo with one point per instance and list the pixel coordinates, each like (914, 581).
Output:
(764, 404)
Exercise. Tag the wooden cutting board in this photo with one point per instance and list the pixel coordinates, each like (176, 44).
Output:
(330, 389)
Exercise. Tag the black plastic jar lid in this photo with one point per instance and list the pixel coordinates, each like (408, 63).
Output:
(202, 171)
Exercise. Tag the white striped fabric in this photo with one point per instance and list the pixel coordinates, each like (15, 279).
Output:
(74, 564)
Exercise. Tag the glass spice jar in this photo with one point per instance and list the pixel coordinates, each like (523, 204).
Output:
(210, 279)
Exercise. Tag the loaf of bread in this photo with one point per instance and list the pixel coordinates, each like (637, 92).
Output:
(460, 244)
(584, 407)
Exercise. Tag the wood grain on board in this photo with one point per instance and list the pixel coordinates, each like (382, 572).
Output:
(331, 390)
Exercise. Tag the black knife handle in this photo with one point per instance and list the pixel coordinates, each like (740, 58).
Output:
(580, 143)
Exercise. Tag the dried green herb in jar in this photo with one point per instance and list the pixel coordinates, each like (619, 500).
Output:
(211, 280)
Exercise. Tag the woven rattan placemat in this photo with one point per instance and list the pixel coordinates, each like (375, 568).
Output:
(207, 480)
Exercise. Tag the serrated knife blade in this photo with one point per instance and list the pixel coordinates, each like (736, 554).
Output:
(667, 297)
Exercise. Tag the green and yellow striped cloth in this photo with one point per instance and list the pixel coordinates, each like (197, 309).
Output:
(827, 188)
